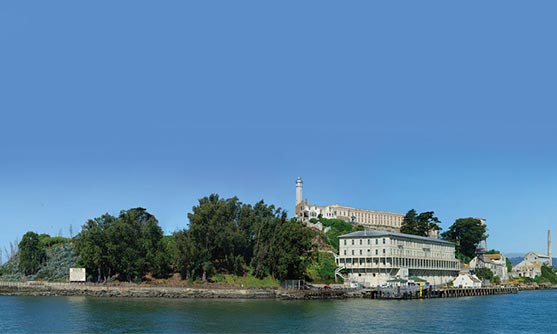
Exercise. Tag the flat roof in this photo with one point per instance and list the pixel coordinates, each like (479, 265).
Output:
(377, 233)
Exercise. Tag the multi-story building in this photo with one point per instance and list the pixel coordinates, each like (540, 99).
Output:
(371, 219)
(531, 265)
(373, 257)
(497, 263)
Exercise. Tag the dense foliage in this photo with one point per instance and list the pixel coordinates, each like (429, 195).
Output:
(322, 270)
(336, 227)
(419, 224)
(484, 274)
(59, 259)
(227, 236)
(466, 233)
(548, 275)
(128, 246)
(31, 253)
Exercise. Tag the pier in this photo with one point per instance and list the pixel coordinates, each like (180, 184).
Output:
(439, 293)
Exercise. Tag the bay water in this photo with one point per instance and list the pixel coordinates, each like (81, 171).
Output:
(525, 312)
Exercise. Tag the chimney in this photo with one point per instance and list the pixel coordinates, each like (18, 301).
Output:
(549, 247)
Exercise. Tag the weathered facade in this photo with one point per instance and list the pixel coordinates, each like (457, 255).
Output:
(373, 257)
(497, 263)
(531, 265)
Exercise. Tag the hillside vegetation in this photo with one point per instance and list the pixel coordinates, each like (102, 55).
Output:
(226, 241)
(59, 257)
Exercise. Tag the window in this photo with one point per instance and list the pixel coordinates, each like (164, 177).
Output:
(376, 241)
(352, 252)
(352, 241)
(368, 241)
(383, 241)
(360, 252)
(383, 251)
(344, 242)
(345, 252)
(360, 241)
(377, 252)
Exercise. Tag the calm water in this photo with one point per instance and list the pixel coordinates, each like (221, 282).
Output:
(526, 312)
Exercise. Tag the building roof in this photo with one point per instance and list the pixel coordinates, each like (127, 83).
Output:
(352, 208)
(537, 254)
(475, 278)
(493, 256)
(377, 233)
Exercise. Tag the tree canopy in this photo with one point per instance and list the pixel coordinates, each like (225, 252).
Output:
(227, 236)
(419, 224)
(466, 233)
(31, 253)
(128, 246)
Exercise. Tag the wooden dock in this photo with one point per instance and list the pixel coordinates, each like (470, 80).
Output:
(441, 293)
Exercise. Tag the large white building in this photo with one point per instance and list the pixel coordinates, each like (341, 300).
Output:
(531, 265)
(373, 257)
(371, 219)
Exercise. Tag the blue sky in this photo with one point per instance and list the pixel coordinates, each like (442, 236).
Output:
(433, 105)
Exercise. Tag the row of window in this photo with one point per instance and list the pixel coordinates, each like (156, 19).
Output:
(368, 251)
(400, 243)
(368, 241)
(403, 262)
(401, 252)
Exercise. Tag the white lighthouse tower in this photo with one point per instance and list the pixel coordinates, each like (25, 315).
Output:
(299, 186)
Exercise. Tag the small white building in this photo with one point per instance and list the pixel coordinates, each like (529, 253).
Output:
(467, 281)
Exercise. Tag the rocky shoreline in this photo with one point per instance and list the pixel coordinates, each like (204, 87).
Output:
(66, 289)
(99, 290)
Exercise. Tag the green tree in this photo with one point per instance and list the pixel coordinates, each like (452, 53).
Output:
(91, 245)
(337, 227)
(419, 224)
(466, 233)
(31, 253)
(128, 246)
(291, 249)
(185, 254)
(134, 240)
(225, 236)
(484, 273)
(213, 229)
(509, 265)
